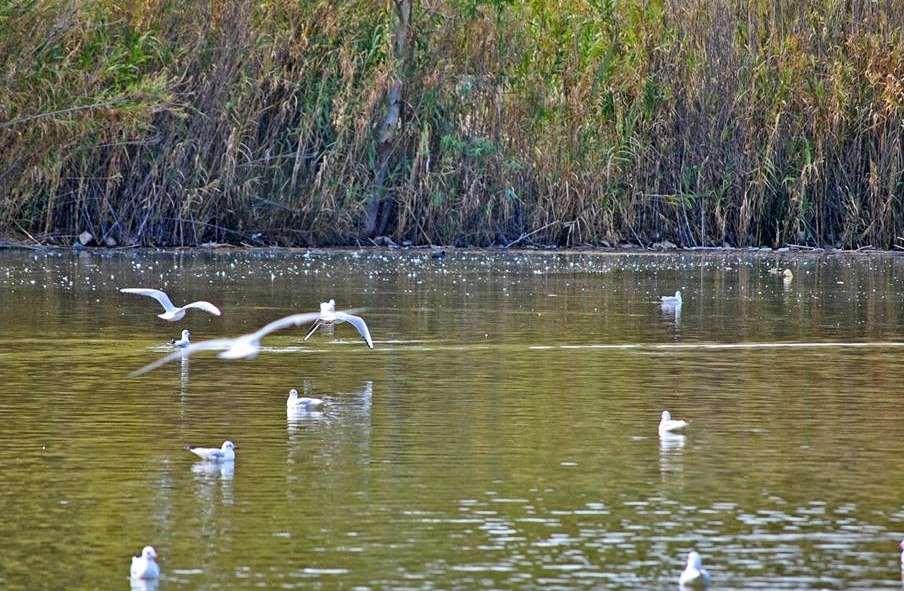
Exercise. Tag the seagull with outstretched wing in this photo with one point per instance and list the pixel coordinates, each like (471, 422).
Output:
(245, 346)
(330, 317)
(171, 312)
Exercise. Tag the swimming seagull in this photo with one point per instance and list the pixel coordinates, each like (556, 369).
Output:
(241, 347)
(144, 565)
(694, 574)
(667, 425)
(183, 342)
(224, 453)
(171, 313)
(671, 301)
(294, 402)
(329, 317)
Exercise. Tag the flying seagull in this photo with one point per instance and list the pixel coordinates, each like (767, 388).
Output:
(241, 347)
(171, 313)
(330, 317)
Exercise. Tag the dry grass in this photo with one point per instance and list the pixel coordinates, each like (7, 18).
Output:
(697, 121)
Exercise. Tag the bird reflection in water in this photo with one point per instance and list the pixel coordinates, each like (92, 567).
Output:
(671, 453)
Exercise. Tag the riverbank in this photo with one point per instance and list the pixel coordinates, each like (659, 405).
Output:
(440, 251)
(465, 123)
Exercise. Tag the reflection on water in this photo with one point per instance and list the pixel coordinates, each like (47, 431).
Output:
(301, 416)
(207, 471)
(671, 452)
(144, 584)
(213, 483)
(183, 376)
(502, 434)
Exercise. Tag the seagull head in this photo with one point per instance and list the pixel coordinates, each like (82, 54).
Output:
(228, 445)
(293, 394)
(666, 415)
(678, 295)
(787, 274)
(185, 335)
(694, 560)
(148, 553)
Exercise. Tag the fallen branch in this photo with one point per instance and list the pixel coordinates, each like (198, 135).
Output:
(525, 236)
(24, 231)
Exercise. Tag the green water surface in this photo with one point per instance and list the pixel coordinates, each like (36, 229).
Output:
(501, 435)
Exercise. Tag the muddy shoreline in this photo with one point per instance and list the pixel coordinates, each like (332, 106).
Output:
(622, 249)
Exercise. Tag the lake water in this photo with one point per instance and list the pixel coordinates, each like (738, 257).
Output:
(502, 434)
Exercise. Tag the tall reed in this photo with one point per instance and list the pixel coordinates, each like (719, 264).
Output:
(563, 121)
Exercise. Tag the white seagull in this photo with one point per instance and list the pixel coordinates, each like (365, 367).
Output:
(330, 317)
(224, 453)
(672, 301)
(171, 313)
(667, 425)
(241, 347)
(183, 342)
(694, 574)
(294, 402)
(144, 565)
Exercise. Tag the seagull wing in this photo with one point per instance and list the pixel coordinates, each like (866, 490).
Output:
(211, 345)
(135, 569)
(206, 453)
(225, 344)
(206, 306)
(359, 325)
(676, 425)
(152, 293)
(285, 322)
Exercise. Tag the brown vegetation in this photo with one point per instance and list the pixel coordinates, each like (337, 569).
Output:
(696, 121)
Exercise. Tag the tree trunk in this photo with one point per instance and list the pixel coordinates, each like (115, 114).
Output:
(379, 208)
